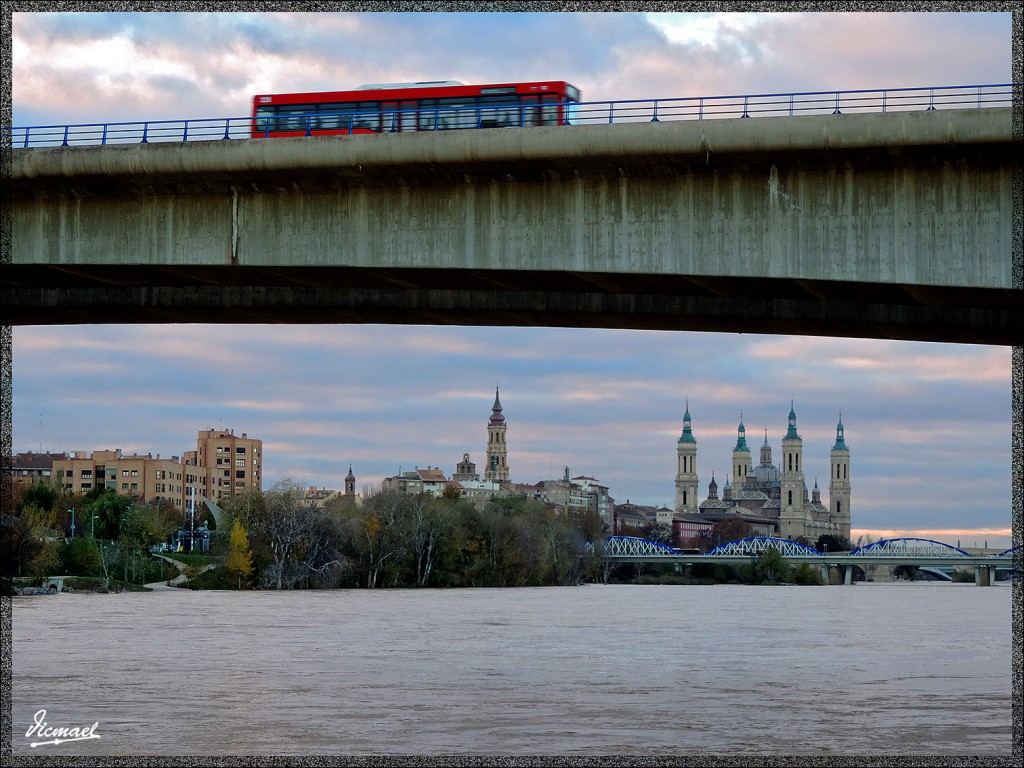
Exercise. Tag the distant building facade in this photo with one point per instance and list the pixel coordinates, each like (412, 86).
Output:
(222, 466)
(577, 494)
(28, 468)
(227, 464)
(146, 477)
(772, 500)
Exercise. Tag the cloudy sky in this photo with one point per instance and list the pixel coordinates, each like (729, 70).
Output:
(928, 424)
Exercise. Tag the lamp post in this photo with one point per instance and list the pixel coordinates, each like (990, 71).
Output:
(94, 525)
(72, 511)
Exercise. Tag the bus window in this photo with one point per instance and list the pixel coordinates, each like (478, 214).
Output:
(427, 119)
(398, 115)
(499, 111)
(457, 113)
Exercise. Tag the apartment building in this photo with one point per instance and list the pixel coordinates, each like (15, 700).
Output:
(28, 468)
(222, 466)
(149, 478)
(226, 464)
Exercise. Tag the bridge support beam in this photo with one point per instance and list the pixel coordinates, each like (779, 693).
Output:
(825, 575)
(848, 577)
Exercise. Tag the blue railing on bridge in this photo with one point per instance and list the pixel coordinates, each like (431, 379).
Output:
(583, 113)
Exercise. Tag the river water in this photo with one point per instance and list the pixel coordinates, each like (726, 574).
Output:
(874, 668)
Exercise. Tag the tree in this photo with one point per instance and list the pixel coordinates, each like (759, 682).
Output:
(300, 540)
(657, 532)
(109, 508)
(239, 560)
(41, 495)
(725, 531)
(29, 543)
(830, 543)
(770, 566)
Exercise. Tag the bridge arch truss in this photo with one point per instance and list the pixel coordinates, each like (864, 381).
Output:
(632, 546)
(755, 545)
(909, 547)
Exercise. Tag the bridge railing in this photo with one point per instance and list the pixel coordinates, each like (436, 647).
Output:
(583, 113)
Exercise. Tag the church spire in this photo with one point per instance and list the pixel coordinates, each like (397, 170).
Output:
(741, 436)
(791, 432)
(840, 440)
(687, 436)
(496, 416)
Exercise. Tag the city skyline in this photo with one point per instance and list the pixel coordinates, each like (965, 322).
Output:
(927, 424)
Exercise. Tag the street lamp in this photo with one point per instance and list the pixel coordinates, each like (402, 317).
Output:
(72, 511)
(94, 525)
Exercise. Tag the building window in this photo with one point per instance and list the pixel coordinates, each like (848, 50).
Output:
(135, 486)
(240, 450)
(124, 473)
(791, 498)
(86, 473)
(124, 486)
(135, 473)
(240, 473)
(86, 486)
(239, 462)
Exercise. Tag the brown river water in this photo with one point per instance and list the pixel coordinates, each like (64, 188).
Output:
(872, 669)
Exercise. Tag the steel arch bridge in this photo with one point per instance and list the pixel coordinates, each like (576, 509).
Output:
(908, 547)
(755, 545)
(633, 546)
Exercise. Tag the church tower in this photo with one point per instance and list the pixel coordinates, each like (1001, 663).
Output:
(497, 449)
(839, 485)
(740, 458)
(686, 474)
(791, 480)
(350, 484)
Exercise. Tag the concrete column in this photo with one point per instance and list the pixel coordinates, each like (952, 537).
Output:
(848, 578)
(824, 575)
(982, 576)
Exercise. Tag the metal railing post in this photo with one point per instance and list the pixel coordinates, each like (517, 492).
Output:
(66, 127)
(145, 132)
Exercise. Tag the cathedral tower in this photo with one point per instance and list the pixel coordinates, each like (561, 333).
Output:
(791, 480)
(839, 485)
(686, 474)
(740, 458)
(497, 449)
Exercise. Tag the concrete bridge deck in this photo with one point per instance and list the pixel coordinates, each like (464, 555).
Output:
(895, 225)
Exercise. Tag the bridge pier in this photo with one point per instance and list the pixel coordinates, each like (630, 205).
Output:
(984, 575)
(848, 576)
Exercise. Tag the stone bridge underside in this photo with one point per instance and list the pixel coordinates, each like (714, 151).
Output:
(895, 225)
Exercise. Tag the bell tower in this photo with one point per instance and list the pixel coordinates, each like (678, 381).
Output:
(791, 480)
(686, 473)
(740, 458)
(839, 484)
(497, 448)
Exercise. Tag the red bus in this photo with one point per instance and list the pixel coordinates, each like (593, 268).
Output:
(424, 106)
